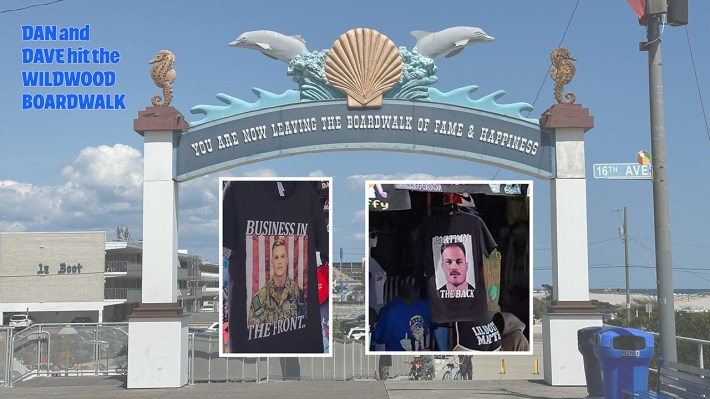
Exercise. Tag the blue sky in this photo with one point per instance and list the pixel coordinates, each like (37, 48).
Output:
(82, 170)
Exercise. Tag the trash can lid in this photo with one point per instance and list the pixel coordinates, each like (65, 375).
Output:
(623, 338)
(585, 334)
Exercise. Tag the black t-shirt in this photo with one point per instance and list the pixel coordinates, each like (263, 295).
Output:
(454, 247)
(270, 227)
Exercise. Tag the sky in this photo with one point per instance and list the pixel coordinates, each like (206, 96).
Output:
(81, 170)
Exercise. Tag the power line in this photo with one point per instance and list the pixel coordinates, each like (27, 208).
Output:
(588, 243)
(31, 6)
(677, 243)
(680, 268)
(548, 69)
(697, 83)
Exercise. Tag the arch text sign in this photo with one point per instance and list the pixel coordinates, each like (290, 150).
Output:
(413, 126)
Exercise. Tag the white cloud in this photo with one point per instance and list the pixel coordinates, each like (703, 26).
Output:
(359, 216)
(358, 236)
(265, 172)
(114, 171)
(102, 190)
(317, 173)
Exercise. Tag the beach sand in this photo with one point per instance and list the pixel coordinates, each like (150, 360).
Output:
(695, 303)
(685, 302)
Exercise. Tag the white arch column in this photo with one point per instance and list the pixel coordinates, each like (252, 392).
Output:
(571, 309)
(157, 339)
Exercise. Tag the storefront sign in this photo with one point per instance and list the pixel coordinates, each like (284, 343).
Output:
(62, 269)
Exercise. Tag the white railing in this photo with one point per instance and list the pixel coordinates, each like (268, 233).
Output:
(349, 362)
(37, 351)
(57, 349)
(127, 294)
(121, 266)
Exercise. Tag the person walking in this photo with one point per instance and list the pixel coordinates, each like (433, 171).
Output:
(465, 367)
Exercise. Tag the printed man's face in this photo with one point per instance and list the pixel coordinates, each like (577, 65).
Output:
(280, 260)
(453, 261)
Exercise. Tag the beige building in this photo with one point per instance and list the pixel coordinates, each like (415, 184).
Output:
(60, 276)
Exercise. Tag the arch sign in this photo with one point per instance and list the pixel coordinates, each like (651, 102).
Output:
(364, 94)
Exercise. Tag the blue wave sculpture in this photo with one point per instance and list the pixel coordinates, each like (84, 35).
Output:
(461, 96)
(308, 71)
(265, 99)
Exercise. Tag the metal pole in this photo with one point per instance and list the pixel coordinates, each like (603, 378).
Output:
(209, 359)
(342, 288)
(191, 338)
(11, 356)
(626, 263)
(664, 263)
(702, 360)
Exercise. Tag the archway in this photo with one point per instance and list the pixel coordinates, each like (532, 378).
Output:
(409, 116)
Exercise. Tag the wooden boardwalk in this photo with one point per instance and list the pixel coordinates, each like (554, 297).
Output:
(114, 387)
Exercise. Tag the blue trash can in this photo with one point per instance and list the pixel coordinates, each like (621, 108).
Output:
(624, 355)
(592, 369)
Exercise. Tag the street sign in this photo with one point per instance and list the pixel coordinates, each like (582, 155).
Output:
(622, 171)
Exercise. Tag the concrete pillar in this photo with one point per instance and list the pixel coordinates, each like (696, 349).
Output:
(571, 309)
(157, 340)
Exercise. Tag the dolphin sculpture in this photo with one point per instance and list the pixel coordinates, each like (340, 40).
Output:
(272, 44)
(448, 42)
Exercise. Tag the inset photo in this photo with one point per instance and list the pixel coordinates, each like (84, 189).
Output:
(448, 267)
(275, 244)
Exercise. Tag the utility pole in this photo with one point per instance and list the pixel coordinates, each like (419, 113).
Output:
(664, 263)
(626, 264)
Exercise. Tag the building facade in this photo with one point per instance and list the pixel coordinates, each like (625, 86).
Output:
(59, 277)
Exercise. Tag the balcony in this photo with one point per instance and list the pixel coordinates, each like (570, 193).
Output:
(123, 268)
(189, 293)
(132, 295)
(210, 291)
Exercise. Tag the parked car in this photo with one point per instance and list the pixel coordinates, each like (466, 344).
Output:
(358, 321)
(207, 306)
(20, 321)
(81, 320)
(357, 333)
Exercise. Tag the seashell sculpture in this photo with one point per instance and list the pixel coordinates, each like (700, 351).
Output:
(364, 64)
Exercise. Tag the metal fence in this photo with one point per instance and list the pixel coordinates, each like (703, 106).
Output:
(64, 350)
(52, 350)
(5, 356)
(348, 362)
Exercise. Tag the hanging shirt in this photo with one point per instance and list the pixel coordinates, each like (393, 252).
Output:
(477, 335)
(270, 227)
(454, 249)
(404, 326)
(377, 278)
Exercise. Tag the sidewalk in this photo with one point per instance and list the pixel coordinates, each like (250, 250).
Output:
(114, 388)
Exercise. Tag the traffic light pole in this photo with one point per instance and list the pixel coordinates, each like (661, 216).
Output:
(664, 263)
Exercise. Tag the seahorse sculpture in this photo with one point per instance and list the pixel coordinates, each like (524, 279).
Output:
(163, 75)
(562, 72)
